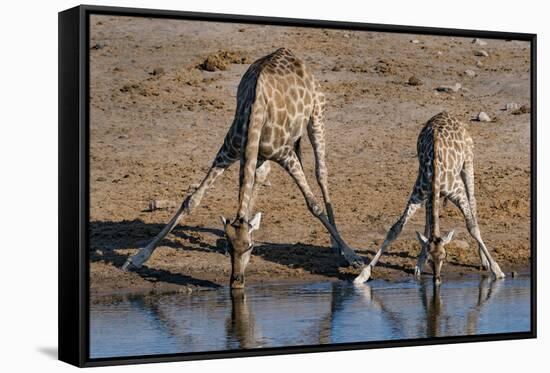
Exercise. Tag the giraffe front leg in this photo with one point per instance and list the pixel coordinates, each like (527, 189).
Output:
(293, 166)
(412, 205)
(461, 201)
(192, 201)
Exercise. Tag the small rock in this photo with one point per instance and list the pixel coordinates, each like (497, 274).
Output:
(511, 106)
(242, 30)
(481, 53)
(479, 63)
(157, 71)
(414, 81)
(449, 88)
(159, 204)
(415, 41)
(123, 137)
(98, 45)
(439, 53)
(101, 178)
(483, 117)
(523, 109)
(470, 73)
(479, 42)
(514, 274)
(346, 36)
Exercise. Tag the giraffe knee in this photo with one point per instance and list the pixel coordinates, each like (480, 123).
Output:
(191, 202)
(314, 208)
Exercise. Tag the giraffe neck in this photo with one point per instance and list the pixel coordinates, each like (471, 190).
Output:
(436, 185)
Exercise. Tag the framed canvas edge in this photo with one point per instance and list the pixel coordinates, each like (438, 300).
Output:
(73, 283)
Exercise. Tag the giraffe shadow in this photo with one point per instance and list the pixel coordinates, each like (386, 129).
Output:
(368, 254)
(107, 237)
(311, 258)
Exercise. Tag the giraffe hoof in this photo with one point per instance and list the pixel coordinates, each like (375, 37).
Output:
(128, 266)
(364, 276)
(499, 275)
(134, 262)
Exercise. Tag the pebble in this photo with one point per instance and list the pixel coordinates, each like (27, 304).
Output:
(415, 41)
(158, 204)
(449, 88)
(470, 73)
(483, 117)
(158, 71)
(98, 46)
(413, 80)
(512, 106)
(123, 137)
(481, 53)
(479, 42)
(479, 63)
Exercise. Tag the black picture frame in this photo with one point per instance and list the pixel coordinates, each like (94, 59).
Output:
(73, 258)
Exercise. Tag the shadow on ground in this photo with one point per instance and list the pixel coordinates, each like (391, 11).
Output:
(107, 237)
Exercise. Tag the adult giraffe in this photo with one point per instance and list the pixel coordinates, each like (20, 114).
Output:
(277, 99)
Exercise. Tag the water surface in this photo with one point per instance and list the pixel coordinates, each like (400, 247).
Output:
(306, 314)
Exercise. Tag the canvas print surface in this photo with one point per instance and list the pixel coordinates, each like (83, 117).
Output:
(258, 186)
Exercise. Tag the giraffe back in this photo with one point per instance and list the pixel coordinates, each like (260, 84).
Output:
(287, 91)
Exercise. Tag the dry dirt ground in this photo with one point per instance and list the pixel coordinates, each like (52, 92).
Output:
(158, 118)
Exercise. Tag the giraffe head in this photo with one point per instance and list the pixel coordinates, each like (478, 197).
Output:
(240, 245)
(435, 246)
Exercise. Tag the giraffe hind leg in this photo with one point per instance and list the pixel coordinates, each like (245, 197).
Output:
(188, 205)
(316, 134)
(467, 176)
(262, 170)
(421, 261)
(461, 201)
(292, 165)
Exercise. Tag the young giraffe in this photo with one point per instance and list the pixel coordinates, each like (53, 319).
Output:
(446, 169)
(276, 98)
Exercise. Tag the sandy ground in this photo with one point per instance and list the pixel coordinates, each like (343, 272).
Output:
(158, 119)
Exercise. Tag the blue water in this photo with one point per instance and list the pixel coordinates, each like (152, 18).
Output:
(305, 314)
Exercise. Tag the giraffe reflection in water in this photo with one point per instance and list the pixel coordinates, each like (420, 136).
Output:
(263, 316)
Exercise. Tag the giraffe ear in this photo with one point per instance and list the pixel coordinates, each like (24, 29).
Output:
(255, 222)
(224, 222)
(423, 240)
(448, 237)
